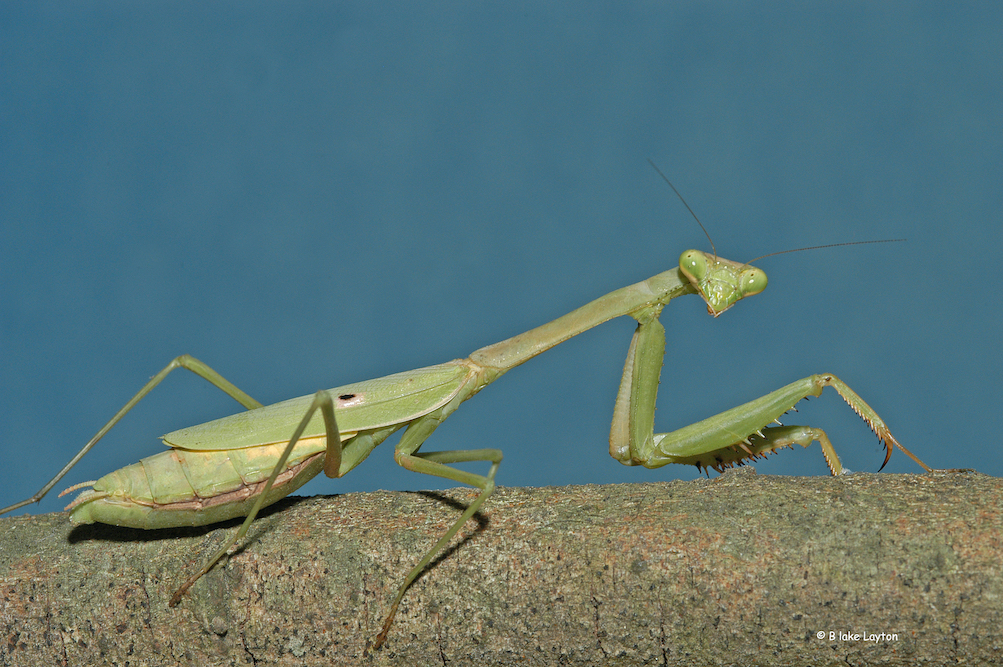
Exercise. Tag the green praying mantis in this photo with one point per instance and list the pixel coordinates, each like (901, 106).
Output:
(235, 466)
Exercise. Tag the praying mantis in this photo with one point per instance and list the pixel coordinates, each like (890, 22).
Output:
(235, 466)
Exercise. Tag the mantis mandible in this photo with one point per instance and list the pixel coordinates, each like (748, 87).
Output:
(235, 466)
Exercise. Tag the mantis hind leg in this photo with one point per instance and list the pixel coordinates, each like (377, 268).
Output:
(184, 361)
(437, 463)
(321, 401)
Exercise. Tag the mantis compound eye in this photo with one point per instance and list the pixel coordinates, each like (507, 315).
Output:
(693, 264)
(751, 281)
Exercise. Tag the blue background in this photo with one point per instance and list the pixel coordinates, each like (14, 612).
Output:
(309, 194)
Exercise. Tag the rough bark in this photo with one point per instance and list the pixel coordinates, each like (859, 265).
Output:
(741, 569)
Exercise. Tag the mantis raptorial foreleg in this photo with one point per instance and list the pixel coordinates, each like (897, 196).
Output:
(731, 437)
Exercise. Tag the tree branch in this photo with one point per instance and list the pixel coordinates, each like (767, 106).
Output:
(739, 569)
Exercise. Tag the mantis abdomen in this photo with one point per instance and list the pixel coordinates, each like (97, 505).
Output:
(194, 488)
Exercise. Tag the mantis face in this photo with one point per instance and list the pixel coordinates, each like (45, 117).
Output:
(721, 282)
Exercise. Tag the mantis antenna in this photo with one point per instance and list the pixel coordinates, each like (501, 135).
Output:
(770, 254)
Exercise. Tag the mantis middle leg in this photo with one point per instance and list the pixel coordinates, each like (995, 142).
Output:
(437, 463)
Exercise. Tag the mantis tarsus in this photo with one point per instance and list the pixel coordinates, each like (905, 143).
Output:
(234, 466)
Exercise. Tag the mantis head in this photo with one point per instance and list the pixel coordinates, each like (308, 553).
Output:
(720, 282)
